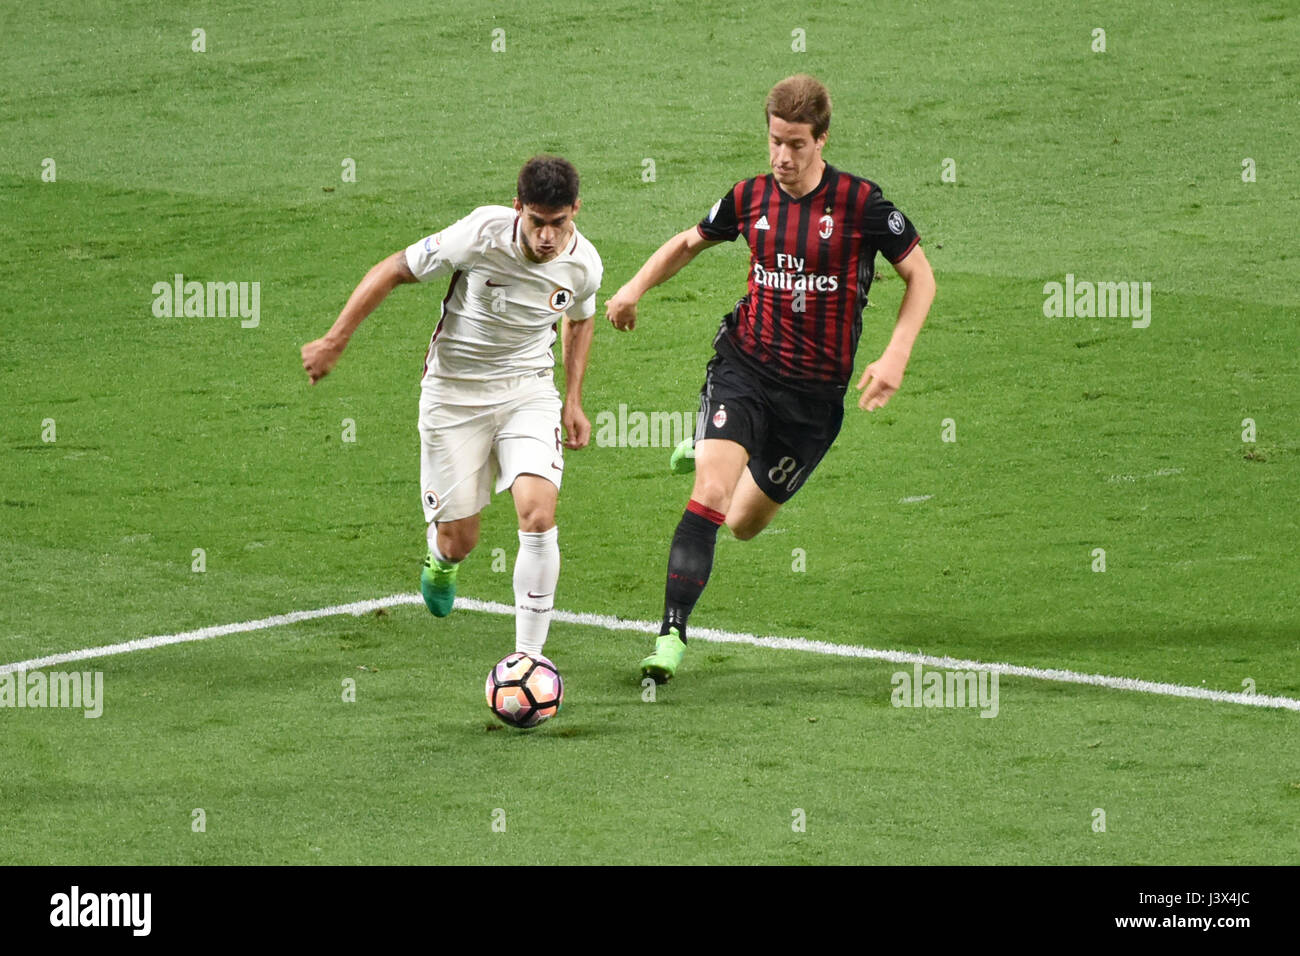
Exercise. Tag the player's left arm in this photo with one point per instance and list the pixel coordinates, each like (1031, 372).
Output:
(883, 376)
(575, 346)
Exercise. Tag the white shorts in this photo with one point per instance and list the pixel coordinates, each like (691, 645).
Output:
(471, 433)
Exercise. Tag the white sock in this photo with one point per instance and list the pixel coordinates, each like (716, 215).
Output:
(537, 569)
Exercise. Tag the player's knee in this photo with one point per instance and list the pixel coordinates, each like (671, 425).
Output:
(712, 494)
(536, 519)
(743, 530)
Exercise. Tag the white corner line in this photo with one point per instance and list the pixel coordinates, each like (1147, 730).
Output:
(609, 622)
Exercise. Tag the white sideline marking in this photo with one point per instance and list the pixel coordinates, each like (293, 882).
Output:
(204, 633)
(612, 623)
(1158, 473)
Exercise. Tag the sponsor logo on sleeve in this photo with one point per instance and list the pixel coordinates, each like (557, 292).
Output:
(895, 222)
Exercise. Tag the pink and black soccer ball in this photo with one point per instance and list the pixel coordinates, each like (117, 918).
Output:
(524, 690)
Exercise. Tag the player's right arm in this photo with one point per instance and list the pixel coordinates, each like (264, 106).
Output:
(660, 267)
(456, 247)
(319, 357)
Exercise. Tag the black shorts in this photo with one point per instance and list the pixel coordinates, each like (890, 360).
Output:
(786, 431)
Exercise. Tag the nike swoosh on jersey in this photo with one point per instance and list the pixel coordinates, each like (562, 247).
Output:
(494, 284)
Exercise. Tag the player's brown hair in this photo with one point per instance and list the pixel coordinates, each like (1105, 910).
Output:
(549, 182)
(801, 99)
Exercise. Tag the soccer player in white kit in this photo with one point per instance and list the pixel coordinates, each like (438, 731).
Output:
(490, 415)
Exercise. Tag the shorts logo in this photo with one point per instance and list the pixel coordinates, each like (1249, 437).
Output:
(431, 500)
(895, 222)
(720, 416)
(561, 299)
(827, 227)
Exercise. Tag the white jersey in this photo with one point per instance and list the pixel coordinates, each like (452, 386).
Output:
(501, 309)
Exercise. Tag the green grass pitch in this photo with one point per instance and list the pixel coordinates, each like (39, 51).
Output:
(127, 157)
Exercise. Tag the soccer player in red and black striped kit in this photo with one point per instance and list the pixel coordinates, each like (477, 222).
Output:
(773, 395)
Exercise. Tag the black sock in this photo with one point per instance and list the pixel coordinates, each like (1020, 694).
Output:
(689, 562)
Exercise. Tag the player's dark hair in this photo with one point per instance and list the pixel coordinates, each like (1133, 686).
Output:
(801, 99)
(548, 182)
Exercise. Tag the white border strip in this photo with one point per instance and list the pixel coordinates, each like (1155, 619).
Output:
(611, 623)
(205, 633)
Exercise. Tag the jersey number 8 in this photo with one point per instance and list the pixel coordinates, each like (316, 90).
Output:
(780, 473)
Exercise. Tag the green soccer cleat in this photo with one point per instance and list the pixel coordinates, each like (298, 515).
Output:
(438, 585)
(663, 663)
(683, 460)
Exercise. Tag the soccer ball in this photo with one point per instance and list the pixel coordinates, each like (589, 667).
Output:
(524, 690)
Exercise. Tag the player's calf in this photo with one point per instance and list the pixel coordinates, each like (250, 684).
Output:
(744, 530)
(450, 542)
(751, 509)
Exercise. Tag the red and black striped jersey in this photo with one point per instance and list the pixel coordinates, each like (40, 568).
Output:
(811, 263)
